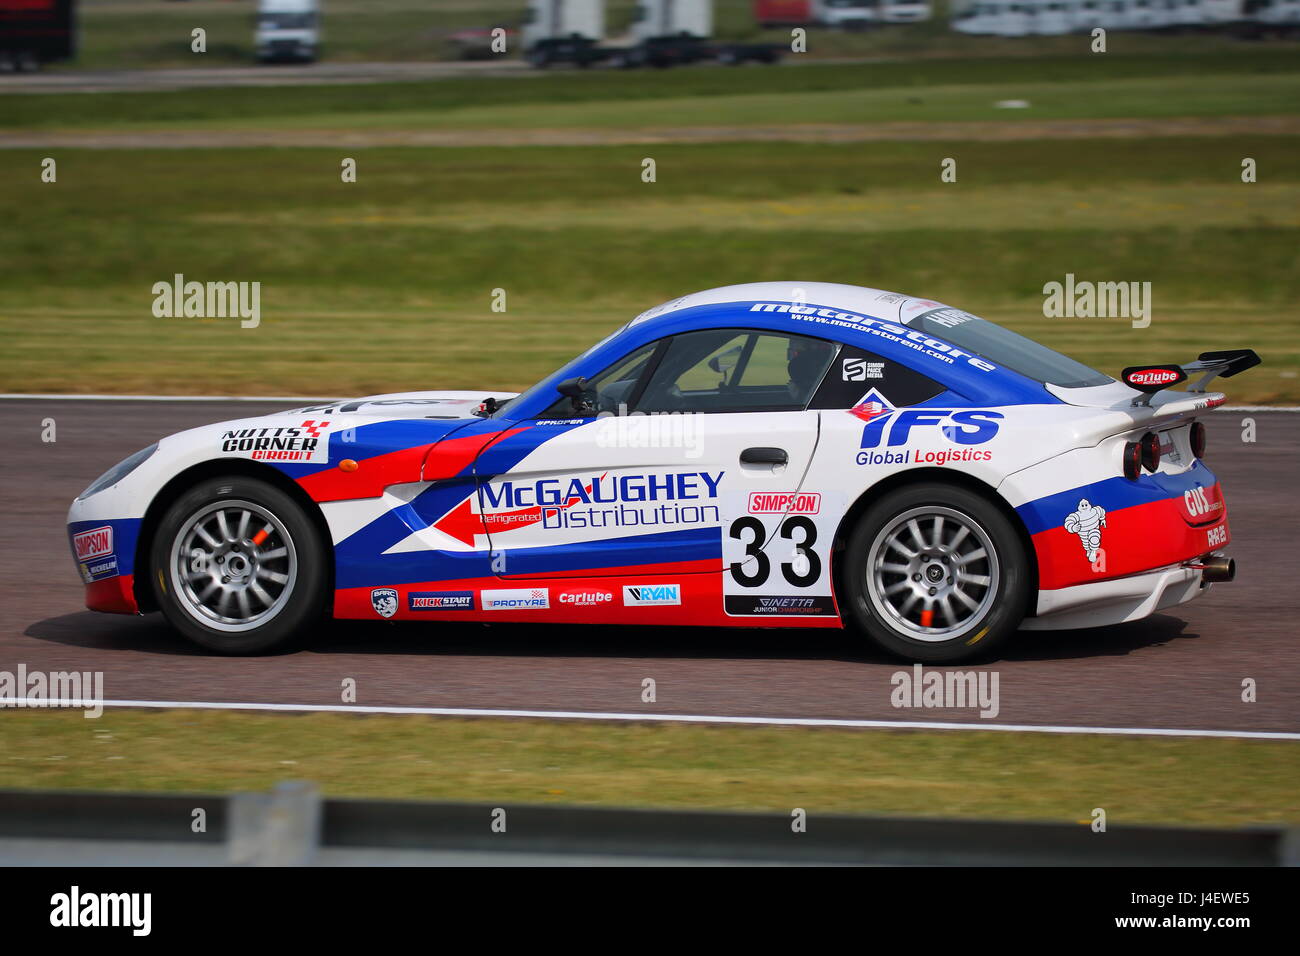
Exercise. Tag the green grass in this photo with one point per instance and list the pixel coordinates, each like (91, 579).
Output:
(1161, 97)
(385, 284)
(1212, 83)
(985, 775)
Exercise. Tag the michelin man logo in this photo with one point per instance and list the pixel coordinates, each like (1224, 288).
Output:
(384, 601)
(1087, 523)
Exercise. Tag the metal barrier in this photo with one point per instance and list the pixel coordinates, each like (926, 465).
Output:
(293, 825)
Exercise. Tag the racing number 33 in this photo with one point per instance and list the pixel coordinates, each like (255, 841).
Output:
(802, 571)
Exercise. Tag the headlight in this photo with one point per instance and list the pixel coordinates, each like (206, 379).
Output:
(118, 471)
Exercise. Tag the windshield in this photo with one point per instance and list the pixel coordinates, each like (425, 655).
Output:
(1008, 349)
(547, 385)
(287, 21)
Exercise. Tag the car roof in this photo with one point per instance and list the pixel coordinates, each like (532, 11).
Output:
(874, 320)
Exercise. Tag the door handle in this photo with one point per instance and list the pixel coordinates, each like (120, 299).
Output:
(764, 456)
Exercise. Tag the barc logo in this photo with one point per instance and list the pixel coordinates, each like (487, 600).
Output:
(384, 601)
(641, 595)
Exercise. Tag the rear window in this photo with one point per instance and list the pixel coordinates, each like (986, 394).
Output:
(1007, 349)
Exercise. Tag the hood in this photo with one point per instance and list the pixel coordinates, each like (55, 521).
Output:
(402, 405)
(387, 436)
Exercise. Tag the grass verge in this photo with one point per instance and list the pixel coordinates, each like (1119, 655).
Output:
(1210, 782)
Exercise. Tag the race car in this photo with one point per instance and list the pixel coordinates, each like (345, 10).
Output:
(763, 455)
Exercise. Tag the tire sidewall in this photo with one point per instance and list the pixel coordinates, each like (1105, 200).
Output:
(1010, 601)
(304, 606)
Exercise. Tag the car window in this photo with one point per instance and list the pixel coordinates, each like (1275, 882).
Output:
(731, 370)
(1006, 348)
(607, 390)
(856, 374)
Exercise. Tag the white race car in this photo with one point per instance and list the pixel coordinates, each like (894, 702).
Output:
(771, 454)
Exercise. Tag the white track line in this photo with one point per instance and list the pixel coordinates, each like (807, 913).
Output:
(25, 702)
(302, 400)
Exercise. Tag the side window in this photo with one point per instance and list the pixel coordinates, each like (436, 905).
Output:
(856, 373)
(736, 370)
(609, 389)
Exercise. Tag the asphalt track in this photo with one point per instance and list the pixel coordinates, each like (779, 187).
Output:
(1179, 669)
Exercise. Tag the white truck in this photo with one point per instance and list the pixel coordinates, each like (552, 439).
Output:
(662, 18)
(551, 20)
(287, 30)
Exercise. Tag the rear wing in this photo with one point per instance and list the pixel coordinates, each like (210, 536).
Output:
(1149, 379)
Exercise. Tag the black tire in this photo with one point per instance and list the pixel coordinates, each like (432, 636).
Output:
(298, 601)
(1000, 604)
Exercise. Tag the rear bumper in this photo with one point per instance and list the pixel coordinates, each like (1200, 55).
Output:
(1114, 601)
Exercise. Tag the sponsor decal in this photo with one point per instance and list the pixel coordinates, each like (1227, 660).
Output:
(891, 331)
(602, 490)
(922, 456)
(758, 605)
(516, 599)
(1198, 503)
(948, 318)
(555, 503)
(894, 427)
(94, 543)
(307, 442)
(1087, 523)
(766, 503)
(645, 595)
(585, 598)
(440, 600)
(96, 570)
(1217, 536)
(384, 601)
(1152, 376)
(859, 370)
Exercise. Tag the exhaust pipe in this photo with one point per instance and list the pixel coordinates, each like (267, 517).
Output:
(1216, 568)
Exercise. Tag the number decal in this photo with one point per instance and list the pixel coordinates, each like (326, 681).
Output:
(753, 549)
(805, 557)
(803, 572)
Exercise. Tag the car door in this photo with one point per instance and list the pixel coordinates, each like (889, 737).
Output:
(680, 458)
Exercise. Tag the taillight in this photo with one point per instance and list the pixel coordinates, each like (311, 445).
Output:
(1132, 461)
(1198, 439)
(1149, 446)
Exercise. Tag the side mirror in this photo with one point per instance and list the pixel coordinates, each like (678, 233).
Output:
(575, 389)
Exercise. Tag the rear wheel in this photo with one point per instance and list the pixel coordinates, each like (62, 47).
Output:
(238, 568)
(936, 574)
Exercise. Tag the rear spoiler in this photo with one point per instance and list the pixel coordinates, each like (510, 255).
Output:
(1149, 379)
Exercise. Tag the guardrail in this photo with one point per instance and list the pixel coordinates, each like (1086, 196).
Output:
(293, 825)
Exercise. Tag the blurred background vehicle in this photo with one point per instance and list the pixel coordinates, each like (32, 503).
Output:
(32, 34)
(288, 30)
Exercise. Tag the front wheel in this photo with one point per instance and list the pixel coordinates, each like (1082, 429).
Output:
(936, 574)
(238, 567)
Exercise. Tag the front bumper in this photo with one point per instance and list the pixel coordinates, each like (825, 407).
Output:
(104, 551)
